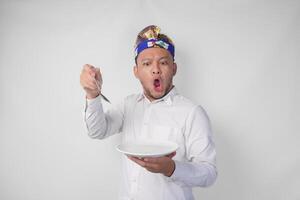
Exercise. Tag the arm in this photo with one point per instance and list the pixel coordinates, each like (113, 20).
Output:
(100, 124)
(200, 168)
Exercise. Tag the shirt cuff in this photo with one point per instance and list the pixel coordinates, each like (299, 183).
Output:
(93, 103)
(178, 172)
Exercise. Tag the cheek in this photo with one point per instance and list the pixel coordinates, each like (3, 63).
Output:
(143, 76)
(168, 73)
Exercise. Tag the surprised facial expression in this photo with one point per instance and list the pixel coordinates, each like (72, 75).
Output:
(155, 69)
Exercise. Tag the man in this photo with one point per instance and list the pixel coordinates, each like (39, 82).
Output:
(159, 113)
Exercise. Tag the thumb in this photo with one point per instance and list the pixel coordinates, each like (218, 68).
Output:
(97, 71)
(171, 155)
(98, 74)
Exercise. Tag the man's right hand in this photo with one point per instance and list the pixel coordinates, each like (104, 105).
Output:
(88, 77)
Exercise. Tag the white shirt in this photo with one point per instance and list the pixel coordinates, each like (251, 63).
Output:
(172, 118)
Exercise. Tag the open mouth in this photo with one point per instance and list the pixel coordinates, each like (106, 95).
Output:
(157, 85)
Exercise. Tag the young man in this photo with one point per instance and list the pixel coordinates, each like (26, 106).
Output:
(159, 113)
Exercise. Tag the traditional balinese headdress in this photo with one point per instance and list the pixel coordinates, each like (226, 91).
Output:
(151, 39)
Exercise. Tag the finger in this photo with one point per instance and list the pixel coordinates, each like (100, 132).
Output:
(98, 75)
(137, 161)
(151, 160)
(152, 166)
(92, 74)
(97, 70)
(159, 159)
(171, 155)
(86, 73)
(147, 165)
(88, 67)
(89, 90)
(92, 87)
(91, 79)
(98, 80)
(89, 82)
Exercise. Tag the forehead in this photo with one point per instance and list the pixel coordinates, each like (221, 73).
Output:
(154, 53)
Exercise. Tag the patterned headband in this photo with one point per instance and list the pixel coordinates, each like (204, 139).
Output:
(154, 43)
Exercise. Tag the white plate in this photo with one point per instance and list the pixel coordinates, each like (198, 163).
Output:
(147, 148)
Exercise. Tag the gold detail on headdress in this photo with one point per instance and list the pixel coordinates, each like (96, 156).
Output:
(152, 33)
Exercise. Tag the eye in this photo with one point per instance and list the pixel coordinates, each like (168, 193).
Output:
(164, 62)
(146, 64)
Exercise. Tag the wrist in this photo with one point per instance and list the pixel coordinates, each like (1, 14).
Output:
(171, 169)
(92, 96)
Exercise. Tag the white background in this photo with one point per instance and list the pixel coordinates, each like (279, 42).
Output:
(238, 59)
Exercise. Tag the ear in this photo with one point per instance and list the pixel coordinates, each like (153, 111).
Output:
(135, 71)
(174, 68)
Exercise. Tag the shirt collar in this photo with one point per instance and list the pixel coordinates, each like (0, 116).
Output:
(168, 98)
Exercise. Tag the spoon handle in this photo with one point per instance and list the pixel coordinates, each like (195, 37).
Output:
(99, 90)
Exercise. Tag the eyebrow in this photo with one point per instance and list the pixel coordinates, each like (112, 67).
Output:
(145, 59)
(148, 59)
(165, 57)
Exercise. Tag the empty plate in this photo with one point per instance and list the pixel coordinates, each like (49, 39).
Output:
(148, 148)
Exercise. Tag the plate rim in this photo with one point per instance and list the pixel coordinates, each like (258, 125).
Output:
(136, 154)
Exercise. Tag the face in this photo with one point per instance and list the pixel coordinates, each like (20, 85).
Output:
(155, 69)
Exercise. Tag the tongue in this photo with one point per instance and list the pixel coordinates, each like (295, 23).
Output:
(157, 86)
(156, 83)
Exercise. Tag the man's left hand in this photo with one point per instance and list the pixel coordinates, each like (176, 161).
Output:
(164, 165)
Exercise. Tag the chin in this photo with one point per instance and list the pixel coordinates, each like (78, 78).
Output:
(158, 95)
(151, 93)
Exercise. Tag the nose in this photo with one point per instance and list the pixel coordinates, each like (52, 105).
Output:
(156, 69)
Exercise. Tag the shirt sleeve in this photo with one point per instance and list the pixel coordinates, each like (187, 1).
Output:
(102, 124)
(200, 167)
